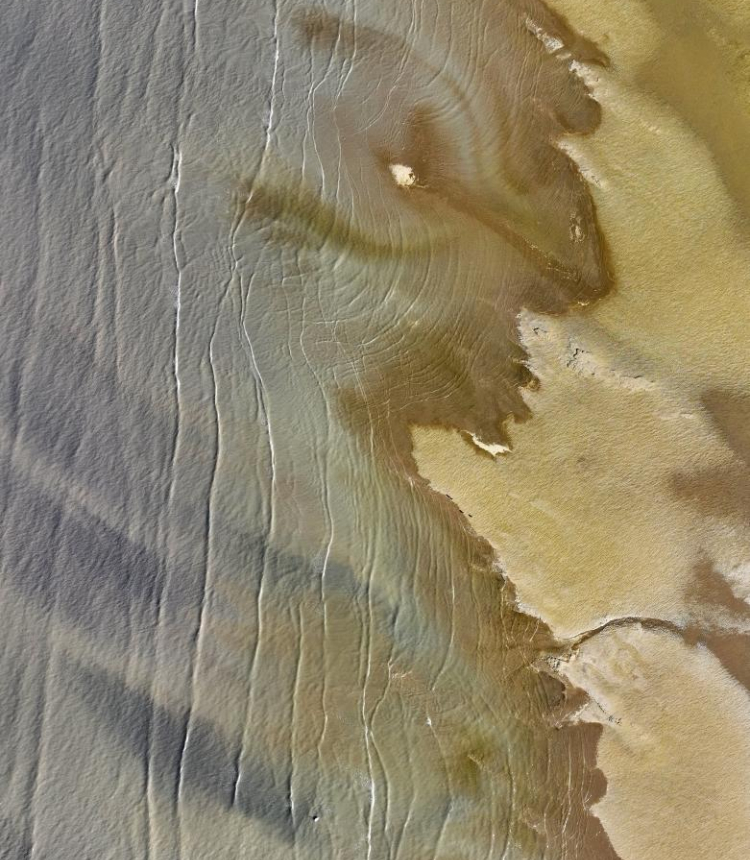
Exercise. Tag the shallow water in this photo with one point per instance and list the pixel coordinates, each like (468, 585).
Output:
(237, 620)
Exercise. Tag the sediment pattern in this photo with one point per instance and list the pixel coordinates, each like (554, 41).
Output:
(620, 512)
(364, 443)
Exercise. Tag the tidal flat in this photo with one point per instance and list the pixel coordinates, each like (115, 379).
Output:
(375, 436)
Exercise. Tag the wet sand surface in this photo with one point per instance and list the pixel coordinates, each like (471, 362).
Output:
(273, 275)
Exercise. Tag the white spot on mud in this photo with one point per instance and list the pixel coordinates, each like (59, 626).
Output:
(490, 448)
(404, 175)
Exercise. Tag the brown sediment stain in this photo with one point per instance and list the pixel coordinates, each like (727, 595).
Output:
(730, 412)
(723, 493)
(718, 492)
(731, 646)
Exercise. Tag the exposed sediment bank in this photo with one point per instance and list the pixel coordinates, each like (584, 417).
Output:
(625, 493)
